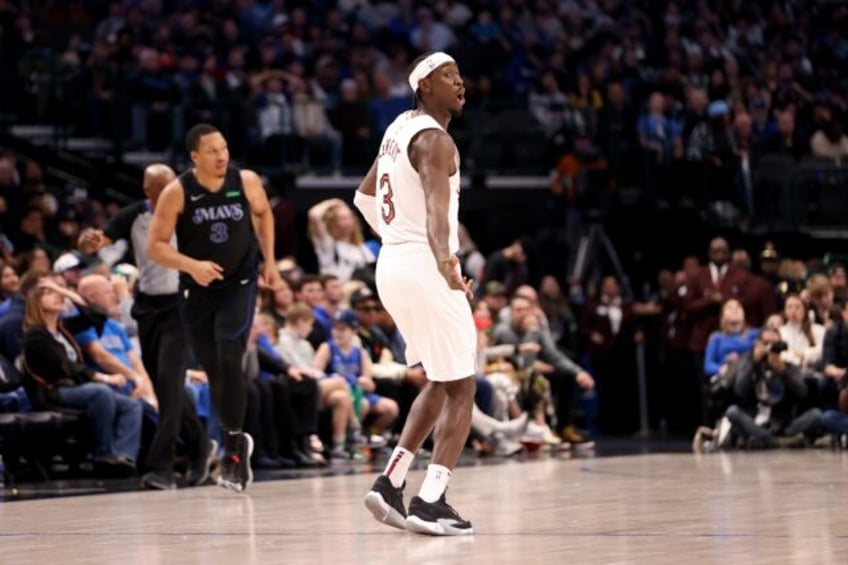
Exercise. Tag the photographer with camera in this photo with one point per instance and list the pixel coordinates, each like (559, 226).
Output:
(768, 392)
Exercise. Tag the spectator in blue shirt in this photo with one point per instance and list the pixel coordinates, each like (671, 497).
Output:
(659, 133)
(732, 340)
(110, 347)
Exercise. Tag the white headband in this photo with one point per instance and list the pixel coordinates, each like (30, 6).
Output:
(424, 68)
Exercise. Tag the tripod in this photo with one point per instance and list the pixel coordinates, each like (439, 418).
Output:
(594, 240)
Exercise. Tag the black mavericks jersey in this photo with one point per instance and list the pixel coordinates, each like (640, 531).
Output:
(217, 226)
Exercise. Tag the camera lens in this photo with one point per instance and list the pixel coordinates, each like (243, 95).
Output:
(778, 347)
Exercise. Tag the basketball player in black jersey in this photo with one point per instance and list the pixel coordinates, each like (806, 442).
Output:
(218, 213)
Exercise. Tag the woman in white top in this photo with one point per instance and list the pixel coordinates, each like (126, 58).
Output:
(337, 238)
(803, 337)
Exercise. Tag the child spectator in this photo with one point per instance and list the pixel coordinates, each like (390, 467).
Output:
(335, 394)
(342, 356)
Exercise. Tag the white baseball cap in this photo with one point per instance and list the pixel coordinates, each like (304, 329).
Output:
(65, 262)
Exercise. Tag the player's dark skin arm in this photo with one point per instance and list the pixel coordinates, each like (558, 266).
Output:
(433, 153)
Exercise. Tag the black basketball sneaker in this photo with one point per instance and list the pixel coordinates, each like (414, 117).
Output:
(436, 518)
(385, 502)
(236, 473)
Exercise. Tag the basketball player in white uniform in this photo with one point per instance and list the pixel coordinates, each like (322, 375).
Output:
(411, 198)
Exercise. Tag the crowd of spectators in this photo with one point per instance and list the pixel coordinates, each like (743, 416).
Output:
(558, 359)
(683, 97)
(694, 101)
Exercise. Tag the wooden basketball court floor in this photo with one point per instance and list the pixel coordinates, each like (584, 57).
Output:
(751, 508)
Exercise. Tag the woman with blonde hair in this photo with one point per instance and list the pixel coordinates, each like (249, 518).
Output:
(731, 340)
(336, 235)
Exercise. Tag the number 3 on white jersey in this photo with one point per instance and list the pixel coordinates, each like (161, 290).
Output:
(387, 208)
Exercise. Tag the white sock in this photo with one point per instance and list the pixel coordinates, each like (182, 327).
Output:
(398, 466)
(435, 483)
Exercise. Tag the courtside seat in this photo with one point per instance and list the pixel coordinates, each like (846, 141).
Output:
(37, 445)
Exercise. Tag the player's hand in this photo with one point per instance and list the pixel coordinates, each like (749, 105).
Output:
(449, 269)
(91, 241)
(204, 272)
(270, 277)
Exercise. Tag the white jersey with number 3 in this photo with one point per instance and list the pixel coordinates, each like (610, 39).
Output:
(401, 207)
(433, 318)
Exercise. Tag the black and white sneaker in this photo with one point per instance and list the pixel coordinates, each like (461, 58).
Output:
(385, 502)
(236, 473)
(200, 465)
(436, 518)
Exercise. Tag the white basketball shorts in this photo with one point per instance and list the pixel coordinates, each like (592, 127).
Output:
(434, 320)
